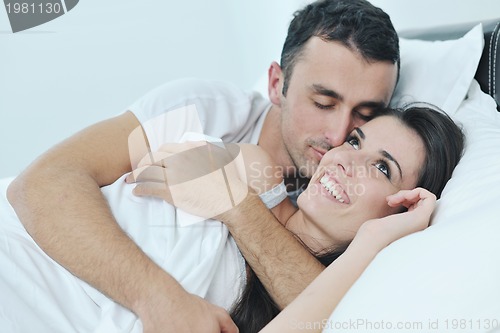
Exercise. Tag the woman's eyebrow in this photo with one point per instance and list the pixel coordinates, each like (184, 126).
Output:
(360, 133)
(384, 153)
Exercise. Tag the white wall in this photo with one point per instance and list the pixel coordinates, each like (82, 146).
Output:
(92, 62)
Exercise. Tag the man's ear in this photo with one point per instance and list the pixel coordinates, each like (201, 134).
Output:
(275, 83)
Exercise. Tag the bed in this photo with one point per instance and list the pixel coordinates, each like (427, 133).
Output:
(443, 279)
(447, 277)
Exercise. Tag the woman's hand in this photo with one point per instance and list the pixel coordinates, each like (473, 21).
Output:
(201, 178)
(383, 231)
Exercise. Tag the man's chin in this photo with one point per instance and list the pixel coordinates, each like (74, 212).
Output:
(308, 170)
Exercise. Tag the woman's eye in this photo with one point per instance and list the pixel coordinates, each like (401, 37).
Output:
(384, 168)
(353, 141)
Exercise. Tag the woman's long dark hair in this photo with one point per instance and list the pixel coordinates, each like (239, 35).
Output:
(256, 308)
(444, 143)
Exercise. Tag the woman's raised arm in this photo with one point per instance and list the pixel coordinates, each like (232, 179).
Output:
(315, 304)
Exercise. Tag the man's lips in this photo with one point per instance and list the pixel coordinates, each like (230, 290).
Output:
(319, 152)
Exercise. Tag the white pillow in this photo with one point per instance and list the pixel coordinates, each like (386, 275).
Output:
(438, 72)
(447, 277)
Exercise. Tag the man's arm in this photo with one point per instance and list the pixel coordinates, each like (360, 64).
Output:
(282, 264)
(58, 199)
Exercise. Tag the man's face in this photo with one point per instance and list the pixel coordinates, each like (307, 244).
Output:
(331, 91)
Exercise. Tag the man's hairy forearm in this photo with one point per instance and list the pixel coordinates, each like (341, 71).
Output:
(282, 264)
(59, 202)
(321, 297)
(76, 228)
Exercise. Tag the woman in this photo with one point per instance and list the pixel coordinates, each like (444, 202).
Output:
(398, 162)
(349, 188)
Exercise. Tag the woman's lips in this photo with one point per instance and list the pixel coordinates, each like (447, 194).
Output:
(334, 189)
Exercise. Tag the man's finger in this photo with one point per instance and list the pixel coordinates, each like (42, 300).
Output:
(153, 189)
(227, 325)
(153, 158)
(151, 173)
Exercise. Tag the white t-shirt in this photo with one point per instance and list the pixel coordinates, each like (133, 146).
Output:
(45, 297)
(216, 109)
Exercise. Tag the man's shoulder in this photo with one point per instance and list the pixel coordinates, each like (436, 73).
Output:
(202, 88)
(217, 108)
(208, 95)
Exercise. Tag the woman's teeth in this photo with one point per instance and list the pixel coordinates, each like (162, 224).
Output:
(330, 187)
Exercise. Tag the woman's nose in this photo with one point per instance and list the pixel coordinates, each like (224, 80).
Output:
(353, 163)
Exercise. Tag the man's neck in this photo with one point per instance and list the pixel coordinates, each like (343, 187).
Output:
(271, 140)
(296, 183)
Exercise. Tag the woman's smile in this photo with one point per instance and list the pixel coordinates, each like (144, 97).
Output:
(334, 188)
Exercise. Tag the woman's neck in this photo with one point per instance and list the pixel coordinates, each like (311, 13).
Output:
(299, 225)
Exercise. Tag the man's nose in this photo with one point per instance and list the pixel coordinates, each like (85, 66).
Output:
(338, 127)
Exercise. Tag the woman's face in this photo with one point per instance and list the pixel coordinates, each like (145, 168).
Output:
(353, 180)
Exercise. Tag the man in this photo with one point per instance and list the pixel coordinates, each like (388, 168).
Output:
(339, 64)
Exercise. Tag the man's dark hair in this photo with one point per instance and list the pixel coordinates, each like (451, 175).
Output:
(356, 24)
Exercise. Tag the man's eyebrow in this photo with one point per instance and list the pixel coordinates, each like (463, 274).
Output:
(376, 106)
(321, 90)
(384, 153)
(390, 158)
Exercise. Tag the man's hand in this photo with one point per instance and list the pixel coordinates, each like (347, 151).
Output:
(201, 178)
(190, 314)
